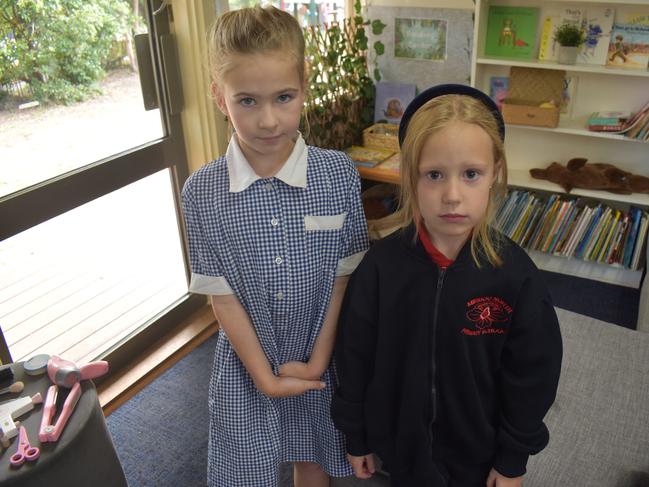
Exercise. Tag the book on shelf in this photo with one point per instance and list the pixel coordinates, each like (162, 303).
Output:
(635, 215)
(586, 238)
(597, 235)
(614, 128)
(613, 251)
(576, 235)
(629, 45)
(498, 88)
(391, 101)
(511, 32)
(551, 18)
(368, 156)
(639, 251)
(596, 24)
(610, 117)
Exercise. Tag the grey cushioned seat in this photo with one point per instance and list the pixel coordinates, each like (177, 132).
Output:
(599, 424)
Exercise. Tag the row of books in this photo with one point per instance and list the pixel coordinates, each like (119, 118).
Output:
(616, 37)
(572, 228)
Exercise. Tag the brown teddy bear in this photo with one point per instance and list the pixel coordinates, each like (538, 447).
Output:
(578, 174)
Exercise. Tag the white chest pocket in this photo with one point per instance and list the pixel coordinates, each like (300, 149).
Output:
(324, 222)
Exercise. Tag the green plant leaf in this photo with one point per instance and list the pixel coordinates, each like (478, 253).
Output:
(377, 27)
(379, 47)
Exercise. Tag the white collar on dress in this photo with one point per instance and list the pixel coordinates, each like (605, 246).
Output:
(241, 175)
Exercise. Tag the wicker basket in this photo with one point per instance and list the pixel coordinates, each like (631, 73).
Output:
(382, 135)
(528, 89)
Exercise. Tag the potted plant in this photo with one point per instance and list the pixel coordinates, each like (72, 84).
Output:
(570, 37)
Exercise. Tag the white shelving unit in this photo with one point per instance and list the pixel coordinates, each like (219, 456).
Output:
(597, 88)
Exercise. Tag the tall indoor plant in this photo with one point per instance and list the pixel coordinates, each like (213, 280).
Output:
(340, 96)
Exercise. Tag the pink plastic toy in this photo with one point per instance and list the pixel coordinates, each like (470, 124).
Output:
(25, 451)
(65, 373)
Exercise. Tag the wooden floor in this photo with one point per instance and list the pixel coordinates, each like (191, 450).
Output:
(78, 284)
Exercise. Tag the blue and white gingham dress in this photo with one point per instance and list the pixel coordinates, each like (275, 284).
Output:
(283, 273)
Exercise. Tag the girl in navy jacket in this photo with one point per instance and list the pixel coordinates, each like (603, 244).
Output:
(449, 350)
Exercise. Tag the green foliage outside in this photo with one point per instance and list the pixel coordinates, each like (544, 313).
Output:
(59, 47)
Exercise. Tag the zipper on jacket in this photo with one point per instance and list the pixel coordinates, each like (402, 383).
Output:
(438, 292)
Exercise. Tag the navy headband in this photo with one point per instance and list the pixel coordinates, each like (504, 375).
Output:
(449, 89)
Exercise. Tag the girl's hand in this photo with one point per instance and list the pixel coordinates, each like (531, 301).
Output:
(497, 480)
(363, 466)
(299, 370)
(289, 386)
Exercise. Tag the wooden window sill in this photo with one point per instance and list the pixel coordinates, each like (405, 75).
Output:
(159, 357)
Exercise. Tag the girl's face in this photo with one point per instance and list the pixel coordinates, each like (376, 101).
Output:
(263, 96)
(456, 171)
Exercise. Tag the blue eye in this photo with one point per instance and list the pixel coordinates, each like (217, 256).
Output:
(247, 102)
(284, 98)
(471, 174)
(434, 175)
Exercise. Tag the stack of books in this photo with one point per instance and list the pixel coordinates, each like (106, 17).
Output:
(571, 228)
(607, 121)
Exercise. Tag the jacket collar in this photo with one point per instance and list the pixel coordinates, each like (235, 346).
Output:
(241, 174)
(412, 242)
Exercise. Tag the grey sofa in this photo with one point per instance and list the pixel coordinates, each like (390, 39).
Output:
(599, 424)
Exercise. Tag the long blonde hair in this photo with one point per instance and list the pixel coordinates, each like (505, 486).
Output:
(254, 30)
(433, 116)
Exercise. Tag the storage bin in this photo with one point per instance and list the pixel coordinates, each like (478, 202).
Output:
(528, 89)
(382, 135)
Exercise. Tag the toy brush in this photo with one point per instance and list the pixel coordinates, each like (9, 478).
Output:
(14, 388)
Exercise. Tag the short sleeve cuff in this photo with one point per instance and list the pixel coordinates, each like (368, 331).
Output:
(348, 264)
(210, 285)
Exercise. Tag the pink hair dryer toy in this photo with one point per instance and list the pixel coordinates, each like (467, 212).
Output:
(65, 373)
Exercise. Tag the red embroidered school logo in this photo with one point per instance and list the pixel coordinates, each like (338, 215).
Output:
(484, 313)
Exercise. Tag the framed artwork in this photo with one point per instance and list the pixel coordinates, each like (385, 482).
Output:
(420, 39)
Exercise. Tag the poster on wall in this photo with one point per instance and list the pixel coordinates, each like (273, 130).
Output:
(420, 39)
(451, 64)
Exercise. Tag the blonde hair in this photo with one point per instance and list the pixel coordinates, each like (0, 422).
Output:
(432, 117)
(251, 31)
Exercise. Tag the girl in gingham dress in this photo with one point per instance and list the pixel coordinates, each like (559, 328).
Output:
(275, 227)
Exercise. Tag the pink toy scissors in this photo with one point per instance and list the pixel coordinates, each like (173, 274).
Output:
(25, 451)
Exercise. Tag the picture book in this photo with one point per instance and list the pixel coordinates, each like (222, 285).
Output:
(391, 101)
(629, 44)
(511, 32)
(596, 25)
(639, 250)
(368, 156)
(498, 86)
(551, 18)
(392, 163)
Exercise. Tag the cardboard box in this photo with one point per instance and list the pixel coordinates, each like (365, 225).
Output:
(529, 88)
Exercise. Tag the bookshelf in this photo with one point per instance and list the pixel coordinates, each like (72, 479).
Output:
(596, 88)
